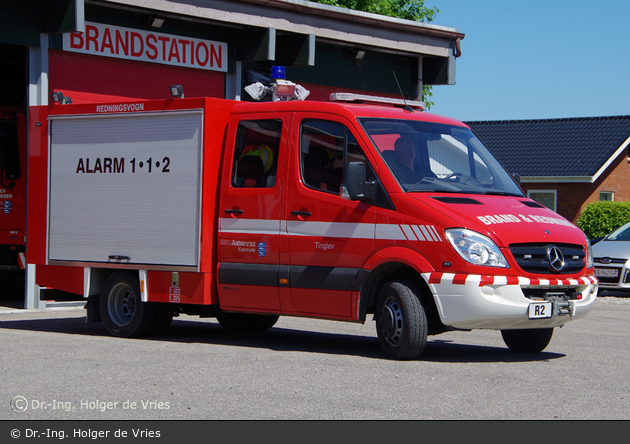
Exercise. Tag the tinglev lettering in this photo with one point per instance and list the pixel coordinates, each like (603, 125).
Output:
(98, 165)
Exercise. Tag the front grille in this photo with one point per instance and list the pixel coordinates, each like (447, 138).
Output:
(608, 260)
(533, 258)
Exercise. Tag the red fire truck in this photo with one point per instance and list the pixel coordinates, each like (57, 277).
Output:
(336, 210)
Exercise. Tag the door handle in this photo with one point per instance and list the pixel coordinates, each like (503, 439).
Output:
(234, 211)
(300, 213)
(116, 257)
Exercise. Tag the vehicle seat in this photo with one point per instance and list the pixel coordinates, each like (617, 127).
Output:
(317, 171)
(249, 171)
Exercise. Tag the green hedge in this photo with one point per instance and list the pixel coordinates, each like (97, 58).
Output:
(600, 218)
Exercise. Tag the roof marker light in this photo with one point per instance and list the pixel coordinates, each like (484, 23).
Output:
(352, 97)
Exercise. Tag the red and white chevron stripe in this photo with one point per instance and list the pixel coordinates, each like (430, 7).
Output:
(481, 280)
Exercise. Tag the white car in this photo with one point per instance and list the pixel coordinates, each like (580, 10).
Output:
(612, 260)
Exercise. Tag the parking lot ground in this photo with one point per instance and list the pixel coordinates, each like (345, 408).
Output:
(61, 368)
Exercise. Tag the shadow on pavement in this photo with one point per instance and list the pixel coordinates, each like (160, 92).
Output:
(286, 339)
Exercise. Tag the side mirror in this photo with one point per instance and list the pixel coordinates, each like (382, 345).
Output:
(354, 185)
(517, 178)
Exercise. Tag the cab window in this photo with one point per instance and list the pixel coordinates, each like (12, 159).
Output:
(324, 149)
(256, 154)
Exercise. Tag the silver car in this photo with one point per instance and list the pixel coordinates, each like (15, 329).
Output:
(612, 259)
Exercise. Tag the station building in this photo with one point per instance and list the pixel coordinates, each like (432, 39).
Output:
(122, 50)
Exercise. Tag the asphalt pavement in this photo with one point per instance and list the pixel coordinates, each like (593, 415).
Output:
(54, 366)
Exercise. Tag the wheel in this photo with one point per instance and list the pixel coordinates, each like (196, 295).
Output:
(246, 322)
(123, 312)
(401, 321)
(527, 341)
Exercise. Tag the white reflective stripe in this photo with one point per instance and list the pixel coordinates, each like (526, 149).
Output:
(435, 233)
(426, 233)
(346, 230)
(418, 232)
(409, 232)
(330, 229)
(249, 226)
(389, 232)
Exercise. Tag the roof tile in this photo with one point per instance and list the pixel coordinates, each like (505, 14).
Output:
(554, 147)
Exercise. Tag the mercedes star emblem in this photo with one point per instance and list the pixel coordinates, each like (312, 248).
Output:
(555, 258)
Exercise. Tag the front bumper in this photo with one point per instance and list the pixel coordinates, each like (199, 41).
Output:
(502, 302)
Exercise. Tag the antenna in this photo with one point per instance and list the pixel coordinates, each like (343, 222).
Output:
(406, 107)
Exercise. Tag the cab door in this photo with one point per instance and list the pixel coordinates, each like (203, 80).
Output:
(250, 211)
(329, 238)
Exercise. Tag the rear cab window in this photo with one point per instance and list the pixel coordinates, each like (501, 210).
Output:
(255, 162)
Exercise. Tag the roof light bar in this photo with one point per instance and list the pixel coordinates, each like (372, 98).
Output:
(351, 97)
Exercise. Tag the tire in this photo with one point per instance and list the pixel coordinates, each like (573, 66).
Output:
(122, 310)
(401, 321)
(243, 322)
(527, 341)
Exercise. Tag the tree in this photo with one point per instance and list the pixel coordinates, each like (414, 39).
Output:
(404, 9)
(600, 218)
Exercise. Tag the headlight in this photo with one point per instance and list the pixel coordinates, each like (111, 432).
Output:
(589, 254)
(476, 248)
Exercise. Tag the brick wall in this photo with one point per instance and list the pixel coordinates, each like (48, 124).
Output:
(573, 197)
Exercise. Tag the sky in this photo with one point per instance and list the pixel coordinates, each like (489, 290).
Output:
(537, 59)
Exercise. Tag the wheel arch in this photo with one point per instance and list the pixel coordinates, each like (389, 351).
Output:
(94, 279)
(401, 264)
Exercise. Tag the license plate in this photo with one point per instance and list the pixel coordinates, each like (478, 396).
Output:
(606, 272)
(540, 310)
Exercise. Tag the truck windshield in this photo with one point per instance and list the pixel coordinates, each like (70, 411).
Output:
(433, 157)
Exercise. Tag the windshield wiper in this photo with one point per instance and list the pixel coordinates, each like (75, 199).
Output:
(502, 193)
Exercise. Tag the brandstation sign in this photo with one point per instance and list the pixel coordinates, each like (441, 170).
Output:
(147, 46)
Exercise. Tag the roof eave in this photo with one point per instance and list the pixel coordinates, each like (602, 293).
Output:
(558, 179)
(364, 17)
(357, 28)
(623, 147)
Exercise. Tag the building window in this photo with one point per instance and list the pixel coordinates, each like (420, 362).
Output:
(544, 197)
(607, 196)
